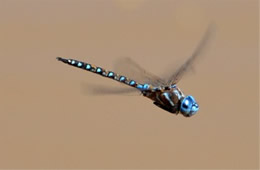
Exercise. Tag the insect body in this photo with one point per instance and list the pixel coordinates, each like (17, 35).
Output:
(169, 98)
(164, 94)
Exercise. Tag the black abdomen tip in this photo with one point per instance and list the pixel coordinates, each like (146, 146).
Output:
(62, 59)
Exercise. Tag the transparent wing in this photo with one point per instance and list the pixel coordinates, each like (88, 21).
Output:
(98, 89)
(198, 52)
(129, 68)
(126, 67)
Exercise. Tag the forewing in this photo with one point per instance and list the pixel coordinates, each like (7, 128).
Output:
(129, 68)
(196, 54)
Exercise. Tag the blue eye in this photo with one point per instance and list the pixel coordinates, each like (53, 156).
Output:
(185, 106)
(189, 106)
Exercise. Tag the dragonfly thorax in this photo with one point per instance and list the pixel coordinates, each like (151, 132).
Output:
(167, 98)
(172, 99)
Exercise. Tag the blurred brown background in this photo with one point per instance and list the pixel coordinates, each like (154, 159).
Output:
(47, 122)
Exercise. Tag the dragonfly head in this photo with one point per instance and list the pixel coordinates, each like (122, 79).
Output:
(189, 106)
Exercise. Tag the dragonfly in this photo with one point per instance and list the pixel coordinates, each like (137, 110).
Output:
(164, 93)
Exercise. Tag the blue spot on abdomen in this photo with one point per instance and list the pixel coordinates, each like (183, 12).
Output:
(132, 83)
(80, 64)
(146, 86)
(73, 62)
(99, 70)
(140, 86)
(122, 78)
(110, 74)
(88, 67)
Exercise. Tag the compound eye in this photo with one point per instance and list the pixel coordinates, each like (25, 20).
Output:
(186, 104)
(189, 106)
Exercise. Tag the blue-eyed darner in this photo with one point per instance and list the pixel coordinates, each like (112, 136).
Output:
(165, 94)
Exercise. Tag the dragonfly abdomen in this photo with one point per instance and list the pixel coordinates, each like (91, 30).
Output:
(103, 72)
